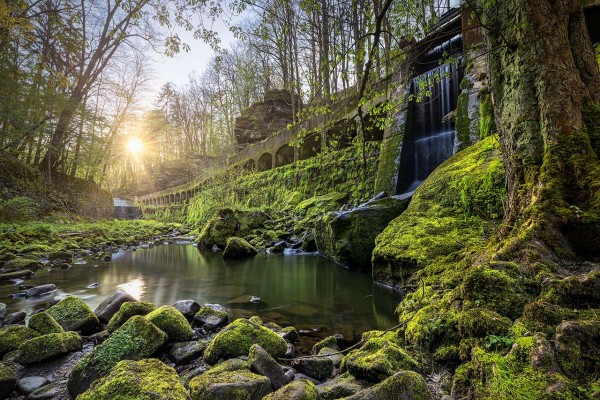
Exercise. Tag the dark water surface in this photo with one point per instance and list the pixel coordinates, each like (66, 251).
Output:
(303, 290)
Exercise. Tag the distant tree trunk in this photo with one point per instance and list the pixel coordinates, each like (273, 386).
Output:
(546, 88)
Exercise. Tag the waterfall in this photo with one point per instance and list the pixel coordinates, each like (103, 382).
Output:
(435, 96)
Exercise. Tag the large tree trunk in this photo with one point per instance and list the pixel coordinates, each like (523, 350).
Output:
(546, 87)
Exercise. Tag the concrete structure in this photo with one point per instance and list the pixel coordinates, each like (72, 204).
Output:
(126, 209)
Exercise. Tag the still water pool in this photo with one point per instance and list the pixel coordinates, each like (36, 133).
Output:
(304, 290)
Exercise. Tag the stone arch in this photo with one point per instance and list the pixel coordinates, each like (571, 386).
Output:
(284, 155)
(171, 198)
(178, 197)
(250, 165)
(310, 147)
(265, 162)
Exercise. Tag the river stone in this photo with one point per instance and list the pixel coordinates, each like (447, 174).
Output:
(334, 355)
(14, 318)
(2, 311)
(12, 337)
(210, 319)
(145, 379)
(49, 392)
(24, 274)
(30, 383)
(403, 385)
(319, 368)
(236, 339)
(341, 386)
(188, 308)
(40, 290)
(184, 352)
(296, 390)
(128, 310)
(44, 323)
(171, 322)
(8, 381)
(262, 363)
(48, 346)
(348, 237)
(216, 231)
(329, 342)
(74, 315)
(238, 248)
(136, 339)
(230, 385)
(112, 304)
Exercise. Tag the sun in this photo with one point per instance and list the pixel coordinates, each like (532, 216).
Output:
(135, 145)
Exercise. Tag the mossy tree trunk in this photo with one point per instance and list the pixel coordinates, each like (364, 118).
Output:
(546, 88)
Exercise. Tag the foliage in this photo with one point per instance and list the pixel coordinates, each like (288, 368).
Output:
(20, 208)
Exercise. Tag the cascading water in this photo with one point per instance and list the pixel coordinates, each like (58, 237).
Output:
(435, 96)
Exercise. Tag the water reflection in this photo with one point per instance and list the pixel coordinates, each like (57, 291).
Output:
(303, 290)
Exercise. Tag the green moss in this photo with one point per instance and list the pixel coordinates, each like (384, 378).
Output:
(233, 364)
(481, 322)
(401, 385)
(236, 338)
(12, 337)
(131, 380)
(44, 323)
(378, 359)
(48, 346)
(207, 311)
(463, 121)
(136, 339)
(19, 264)
(172, 322)
(238, 248)
(128, 310)
(234, 385)
(296, 390)
(216, 231)
(487, 123)
(73, 315)
(329, 342)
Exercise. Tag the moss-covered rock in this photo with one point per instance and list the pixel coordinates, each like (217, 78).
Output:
(576, 292)
(144, 379)
(341, 386)
(348, 237)
(263, 364)
(403, 385)
(74, 315)
(23, 274)
(319, 368)
(12, 337)
(210, 319)
(378, 359)
(480, 322)
(44, 323)
(578, 348)
(8, 381)
(238, 248)
(128, 310)
(47, 346)
(234, 385)
(171, 322)
(138, 338)
(296, 390)
(216, 232)
(330, 342)
(236, 339)
(19, 264)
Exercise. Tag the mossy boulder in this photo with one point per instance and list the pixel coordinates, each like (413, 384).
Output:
(210, 319)
(109, 306)
(321, 204)
(576, 292)
(578, 348)
(216, 231)
(12, 337)
(378, 359)
(403, 385)
(238, 248)
(451, 211)
(296, 390)
(23, 274)
(481, 322)
(341, 386)
(262, 363)
(137, 339)
(128, 310)
(19, 264)
(8, 381)
(234, 385)
(172, 322)
(44, 323)
(348, 237)
(144, 379)
(236, 339)
(319, 368)
(74, 315)
(47, 346)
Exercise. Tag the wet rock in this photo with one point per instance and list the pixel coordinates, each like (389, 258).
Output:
(308, 242)
(30, 383)
(403, 385)
(184, 352)
(8, 381)
(341, 386)
(60, 256)
(230, 385)
(74, 315)
(94, 285)
(128, 310)
(171, 322)
(44, 323)
(138, 338)
(192, 373)
(348, 237)
(2, 311)
(236, 339)
(13, 336)
(238, 248)
(290, 352)
(218, 230)
(48, 392)
(40, 290)
(107, 257)
(210, 319)
(290, 334)
(146, 379)
(14, 318)
(329, 342)
(334, 355)
(112, 304)
(319, 368)
(20, 264)
(188, 308)
(296, 390)
(48, 346)
(24, 274)
(262, 363)
(301, 377)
